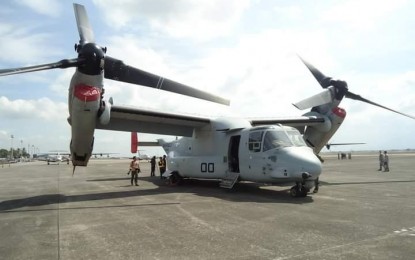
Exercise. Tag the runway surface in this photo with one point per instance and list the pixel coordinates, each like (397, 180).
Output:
(359, 213)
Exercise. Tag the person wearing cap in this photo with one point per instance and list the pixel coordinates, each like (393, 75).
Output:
(135, 169)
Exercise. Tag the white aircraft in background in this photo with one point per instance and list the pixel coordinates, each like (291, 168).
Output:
(275, 151)
(54, 157)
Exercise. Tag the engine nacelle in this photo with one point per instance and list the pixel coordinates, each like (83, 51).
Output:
(318, 136)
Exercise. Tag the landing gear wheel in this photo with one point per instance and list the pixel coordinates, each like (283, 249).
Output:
(294, 192)
(298, 191)
(303, 192)
(175, 179)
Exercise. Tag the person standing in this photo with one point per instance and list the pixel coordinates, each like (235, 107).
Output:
(153, 166)
(135, 169)
(386, 162)
(381, 158)
(162, 167)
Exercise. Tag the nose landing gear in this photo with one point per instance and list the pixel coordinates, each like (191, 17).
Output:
(299, 190)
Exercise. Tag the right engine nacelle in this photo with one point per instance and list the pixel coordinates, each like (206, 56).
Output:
(318, 136)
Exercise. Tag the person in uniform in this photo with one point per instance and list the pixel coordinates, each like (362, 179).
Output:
(380, 161)
(135, 169)
(153, 166)
(162, 166)
(385, 162)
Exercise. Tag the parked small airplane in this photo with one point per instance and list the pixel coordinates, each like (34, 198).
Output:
(54, 157)
(276, 151)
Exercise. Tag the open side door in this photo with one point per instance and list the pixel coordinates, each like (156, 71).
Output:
(233, 153)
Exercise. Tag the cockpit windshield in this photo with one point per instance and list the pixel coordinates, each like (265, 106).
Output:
(276, 139)
(279, 139)
(296, 138)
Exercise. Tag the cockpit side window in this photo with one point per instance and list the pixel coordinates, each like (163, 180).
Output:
(276, 139)
(255, 140)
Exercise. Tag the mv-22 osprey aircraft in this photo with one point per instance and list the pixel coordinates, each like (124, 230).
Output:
(280, 152)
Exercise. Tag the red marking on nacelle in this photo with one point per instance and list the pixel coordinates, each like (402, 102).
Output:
(87, 93)
(340, 112)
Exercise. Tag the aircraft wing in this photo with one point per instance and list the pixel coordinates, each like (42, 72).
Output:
(292, 121)
(148, 121)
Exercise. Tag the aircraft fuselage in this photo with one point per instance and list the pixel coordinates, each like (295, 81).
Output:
(271, 154)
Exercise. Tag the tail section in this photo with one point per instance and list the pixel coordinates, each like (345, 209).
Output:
(160, 142)
(134, 142)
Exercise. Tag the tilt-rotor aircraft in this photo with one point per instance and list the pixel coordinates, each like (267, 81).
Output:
(274, 151)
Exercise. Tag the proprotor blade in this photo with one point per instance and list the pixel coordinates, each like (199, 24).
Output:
(320, 77)
(321, 98)
(116, 70)
(360, 98)
(341, 90)
(84, 27)
(62, 64)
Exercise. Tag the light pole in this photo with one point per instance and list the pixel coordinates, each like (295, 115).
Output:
(11, 156)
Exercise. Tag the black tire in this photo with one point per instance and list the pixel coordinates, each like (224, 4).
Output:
(294, 192)
(175, 179)
(303, 192)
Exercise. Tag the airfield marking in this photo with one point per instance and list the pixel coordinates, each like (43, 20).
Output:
(406, 232)
(391, 235)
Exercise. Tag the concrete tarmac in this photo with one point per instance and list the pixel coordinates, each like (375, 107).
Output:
(359, 213)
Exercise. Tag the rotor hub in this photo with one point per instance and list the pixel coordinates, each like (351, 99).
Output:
(93, 58)
(340, 87)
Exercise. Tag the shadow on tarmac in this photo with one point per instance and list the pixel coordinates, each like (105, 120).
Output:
(242, 192)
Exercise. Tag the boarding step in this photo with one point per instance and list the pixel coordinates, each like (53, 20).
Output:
(230, 179)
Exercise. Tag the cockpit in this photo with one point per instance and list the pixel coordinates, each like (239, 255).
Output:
(271, 137)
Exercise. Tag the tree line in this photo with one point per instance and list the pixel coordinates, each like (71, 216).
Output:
(17, 153)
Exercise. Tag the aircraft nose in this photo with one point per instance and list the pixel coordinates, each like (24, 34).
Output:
(308, 165)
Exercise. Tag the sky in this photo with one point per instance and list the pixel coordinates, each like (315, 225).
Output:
(244, 50)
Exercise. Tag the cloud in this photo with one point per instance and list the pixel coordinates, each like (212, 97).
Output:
(50, 8)
(198, 20)
(43, 108)
(23, 44)
(361, 15)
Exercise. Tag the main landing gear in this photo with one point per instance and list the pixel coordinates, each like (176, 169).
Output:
(175, 179)
(299, 190)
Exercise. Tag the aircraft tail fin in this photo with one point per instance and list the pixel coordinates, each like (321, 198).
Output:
(134, 142)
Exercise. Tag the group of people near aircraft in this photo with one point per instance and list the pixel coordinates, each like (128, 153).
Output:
(135, 168)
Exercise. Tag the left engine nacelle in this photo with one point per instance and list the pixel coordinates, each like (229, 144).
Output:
(318, 136)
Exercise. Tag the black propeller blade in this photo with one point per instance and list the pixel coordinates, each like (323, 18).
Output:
(116, 70)
(320, 77)
(358, 97)
(62, 64)
(341, 88)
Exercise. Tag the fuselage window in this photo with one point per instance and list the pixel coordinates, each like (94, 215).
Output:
(255, 140)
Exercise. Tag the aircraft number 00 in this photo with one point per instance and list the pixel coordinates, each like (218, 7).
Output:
(207, 167)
